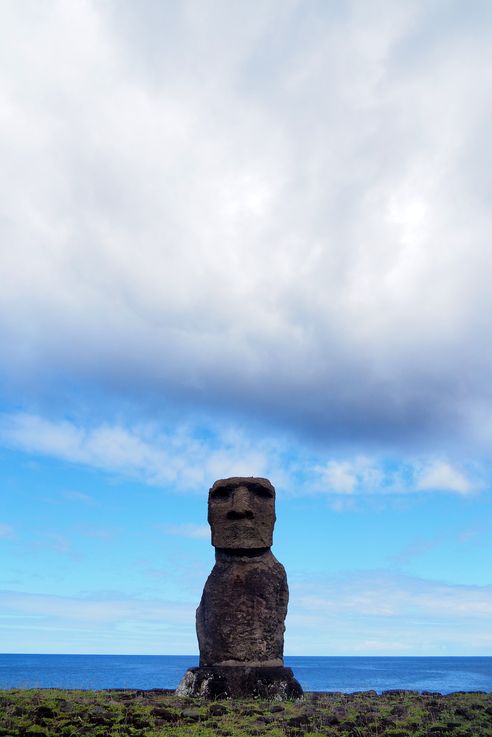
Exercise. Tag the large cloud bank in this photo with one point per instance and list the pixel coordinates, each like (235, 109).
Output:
(275, 209)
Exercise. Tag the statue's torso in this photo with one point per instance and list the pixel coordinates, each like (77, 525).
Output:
(241, 615)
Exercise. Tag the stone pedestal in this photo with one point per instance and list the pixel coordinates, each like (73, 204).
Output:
(223, 681)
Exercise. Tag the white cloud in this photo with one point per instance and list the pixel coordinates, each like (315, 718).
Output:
(254, 211)
(184, 458)
(441, 475)
(362, 475)
(339, 477)
(178, 457)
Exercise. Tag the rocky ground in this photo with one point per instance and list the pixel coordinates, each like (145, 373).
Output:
(49, 713)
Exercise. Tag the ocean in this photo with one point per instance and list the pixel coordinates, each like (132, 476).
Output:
(345, 674)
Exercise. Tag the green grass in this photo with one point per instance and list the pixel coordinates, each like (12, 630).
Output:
(58, 713)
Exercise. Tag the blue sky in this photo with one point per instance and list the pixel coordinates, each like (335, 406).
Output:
(246, 239)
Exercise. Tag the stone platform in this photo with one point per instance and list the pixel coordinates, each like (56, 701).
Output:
(233, 681)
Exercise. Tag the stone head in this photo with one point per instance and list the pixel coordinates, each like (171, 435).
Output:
(241, 513)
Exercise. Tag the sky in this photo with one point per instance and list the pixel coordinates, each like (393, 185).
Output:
(248, 238)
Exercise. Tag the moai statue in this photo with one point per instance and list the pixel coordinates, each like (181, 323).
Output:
(240, 620)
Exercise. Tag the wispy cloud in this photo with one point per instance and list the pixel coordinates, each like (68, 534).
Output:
(441, 475)
(55, 542)
(178, 456)
(422, 545)
(356, 613)
(91, 609)
(186, 458)
(193, 531)
(378, 612)
(417, 548)
(339, 477)
(384, 594)
(96, 623)
(363, 475)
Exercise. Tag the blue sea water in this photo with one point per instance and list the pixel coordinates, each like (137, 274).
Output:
(345, 674)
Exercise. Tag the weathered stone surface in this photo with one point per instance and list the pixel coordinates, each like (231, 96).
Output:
(240, 619)
(218, 682)
(241, 616)
(241, 513)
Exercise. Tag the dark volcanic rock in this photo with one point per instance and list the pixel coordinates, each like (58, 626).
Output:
(241, 616)
(300, 720)
(217, 710)
(191, 714)
(44, 712)
(241, 513)
(99, 715)
(220, 682)
(164, 714)
(240, 619)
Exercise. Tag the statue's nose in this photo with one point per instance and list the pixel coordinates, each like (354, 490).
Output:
(241, 504)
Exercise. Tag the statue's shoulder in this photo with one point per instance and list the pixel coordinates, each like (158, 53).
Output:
(276, 565)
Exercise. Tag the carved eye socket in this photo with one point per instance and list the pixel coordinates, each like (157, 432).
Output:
(222, 492)
(261, 491)
(225, 492)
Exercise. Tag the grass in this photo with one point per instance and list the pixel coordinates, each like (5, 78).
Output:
(60, 713)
